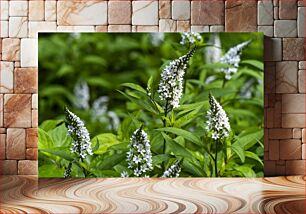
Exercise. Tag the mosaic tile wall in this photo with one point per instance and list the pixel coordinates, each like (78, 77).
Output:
(285, 68)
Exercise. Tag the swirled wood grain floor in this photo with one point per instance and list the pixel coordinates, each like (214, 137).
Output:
(27, 194)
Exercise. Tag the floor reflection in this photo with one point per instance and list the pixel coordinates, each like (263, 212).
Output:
(115, 195)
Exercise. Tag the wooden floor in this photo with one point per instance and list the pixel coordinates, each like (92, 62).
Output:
(127, 195)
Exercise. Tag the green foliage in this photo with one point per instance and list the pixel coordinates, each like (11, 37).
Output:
(126, 68)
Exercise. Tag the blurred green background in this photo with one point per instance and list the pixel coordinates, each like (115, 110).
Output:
(106, 60)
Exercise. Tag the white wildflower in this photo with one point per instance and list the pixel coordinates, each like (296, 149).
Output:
(67, 173)
(213, 51)
(99, 108)
(173, 171)
(139, 156)
(190, 38)
(81, 94)
(114, 120)
(232, 57)
(171, 83)
(124, 174)
(217, 120)
(157, 38)
(81, 144)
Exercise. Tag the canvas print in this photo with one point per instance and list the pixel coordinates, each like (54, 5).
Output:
(158, 105)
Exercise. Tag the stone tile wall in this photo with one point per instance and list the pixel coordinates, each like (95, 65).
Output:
(281, 20)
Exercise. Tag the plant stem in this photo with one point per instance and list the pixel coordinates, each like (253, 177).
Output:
(164, 122)
(216, 160)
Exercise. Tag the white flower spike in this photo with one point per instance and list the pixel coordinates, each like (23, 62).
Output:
(232, 57)
(124, 174)
(173, 171)
(190, 38)
(81, 94)
(171, 83)
(139, 156)
(81, 144)
(217, 120)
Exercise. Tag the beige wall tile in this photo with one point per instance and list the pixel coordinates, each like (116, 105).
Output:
(18, 8)
(50, 10)
(26, 80)
(302, 82)
(15, 144)
(27, 167)
(167, 25)
(4, 29)
(180, 10)
(8, 167)
(164, 9)
(91, 12)
(36, 26)
(286, 77)
(75, 29)
(145, 13)
(293, 103)
(18, 27)
(119, 12)
(293, 120)
(32, 138)
(11, 49)
(4, 10)
(17, 110)
(29, 53)
(36, 10)
(7, 76)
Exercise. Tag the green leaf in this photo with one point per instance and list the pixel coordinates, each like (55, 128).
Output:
(135, 87)
(140, 102)
(62, 152)
(249, 138)
(50, 171)
(106, 173)
(157, 159)
(185, 134)
(253, 156)
(150, 82)
(44, 140)
(239, 151)
(96, 146)
(108, 162)
(106, 140)
(255, 63)
(193, 169)
(50, 124)
(56, 90)
(59, 136)
(175, 148)
(93, 59)
(246, 170)
(187, 118)
(98, 81)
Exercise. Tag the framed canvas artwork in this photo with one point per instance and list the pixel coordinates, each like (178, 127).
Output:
(151, 105)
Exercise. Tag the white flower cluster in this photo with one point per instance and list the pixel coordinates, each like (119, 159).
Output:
(173, 171)
(190, 38)
(157, 38)
(124, 174)
(232, 57)
(76, 129)
(67, 173)
(99, 107)
(139, 156)
(213, 52)
(217, 121)
(171, 83)
(81, 94)
(100, 113)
